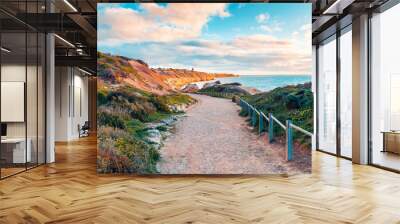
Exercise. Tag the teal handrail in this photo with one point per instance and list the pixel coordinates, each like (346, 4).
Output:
(301, 130)
(255, 115)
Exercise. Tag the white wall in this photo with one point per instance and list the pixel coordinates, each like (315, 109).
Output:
(61, 103)
(80, 110)
(71, 94)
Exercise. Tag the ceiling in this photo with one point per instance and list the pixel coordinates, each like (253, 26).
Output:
(332, 15)
(73, 21)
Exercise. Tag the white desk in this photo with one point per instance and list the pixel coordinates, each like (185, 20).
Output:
(19, 154)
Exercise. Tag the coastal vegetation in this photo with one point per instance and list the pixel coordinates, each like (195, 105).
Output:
(123, 117)
(294, 102)
(132, 110)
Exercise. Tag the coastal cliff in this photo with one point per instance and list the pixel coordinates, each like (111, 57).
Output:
(181, 77)
(119, 70)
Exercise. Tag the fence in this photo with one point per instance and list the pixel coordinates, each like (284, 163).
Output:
(262, 119)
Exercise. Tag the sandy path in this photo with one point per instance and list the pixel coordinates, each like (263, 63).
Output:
(214, 139)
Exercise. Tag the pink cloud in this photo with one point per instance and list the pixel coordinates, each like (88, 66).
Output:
(157, 23)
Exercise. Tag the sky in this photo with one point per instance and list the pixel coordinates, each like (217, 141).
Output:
(239, 38)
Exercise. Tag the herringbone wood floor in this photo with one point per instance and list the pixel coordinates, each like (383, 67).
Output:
(70, 191)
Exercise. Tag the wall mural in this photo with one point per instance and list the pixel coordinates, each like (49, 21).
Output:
(204, 88)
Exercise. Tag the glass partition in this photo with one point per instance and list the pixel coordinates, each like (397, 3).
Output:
(22, 101)
(385, 89)
(14, 153)
(327, 96)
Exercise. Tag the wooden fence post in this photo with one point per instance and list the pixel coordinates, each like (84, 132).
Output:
(270, 128)
(289, 141)
(260, 123)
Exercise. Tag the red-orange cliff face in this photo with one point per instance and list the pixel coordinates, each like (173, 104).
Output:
(117, 70)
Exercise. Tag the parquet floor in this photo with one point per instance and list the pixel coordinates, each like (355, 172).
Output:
(70, 191)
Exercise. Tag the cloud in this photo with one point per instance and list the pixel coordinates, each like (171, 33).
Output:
(303, 35)
(156, 23)
(262, 18)
(254, 54)
(266, 24)
(240, 46)
(271, 28)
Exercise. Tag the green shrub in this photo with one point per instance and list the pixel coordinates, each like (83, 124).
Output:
(176, 99)
(119, 151)
(110, 120)
(101, 97)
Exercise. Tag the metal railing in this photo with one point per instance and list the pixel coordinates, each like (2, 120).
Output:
(256, 115)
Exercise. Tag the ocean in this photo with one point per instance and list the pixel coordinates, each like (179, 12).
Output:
(263, 82)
